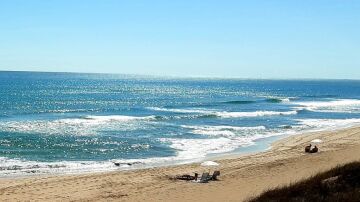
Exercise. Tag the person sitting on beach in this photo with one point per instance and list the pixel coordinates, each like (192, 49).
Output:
(196, 176)
(307, 148)
(314, 150)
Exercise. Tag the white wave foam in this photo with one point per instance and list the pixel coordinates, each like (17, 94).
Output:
(327, 124)
(226, 127)
(226, 114)
(343, 105)
(117, 118)
(10, 167)
(285, 99)
(253, 114)
(221, 139)
(226, 131)
(192, 150)
(200, 148)
(281, 99)
(17, 167)
(228, 138)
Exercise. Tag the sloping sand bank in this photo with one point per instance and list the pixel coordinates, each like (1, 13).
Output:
(241, 176)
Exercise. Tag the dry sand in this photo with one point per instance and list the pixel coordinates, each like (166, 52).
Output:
(241, 176)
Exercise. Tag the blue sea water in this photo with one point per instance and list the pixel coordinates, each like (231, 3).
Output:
(69, 122)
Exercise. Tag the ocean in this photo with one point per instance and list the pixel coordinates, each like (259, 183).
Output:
(75, 123)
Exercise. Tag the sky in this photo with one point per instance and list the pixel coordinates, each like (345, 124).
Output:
(237, 39)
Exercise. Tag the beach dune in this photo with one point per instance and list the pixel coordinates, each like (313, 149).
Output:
(241, 176)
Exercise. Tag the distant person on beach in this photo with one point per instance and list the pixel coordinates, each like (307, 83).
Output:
(314, 150)
(308, 148)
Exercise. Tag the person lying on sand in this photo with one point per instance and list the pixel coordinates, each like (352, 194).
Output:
(196, 177)
(187, 177)
(314, 150)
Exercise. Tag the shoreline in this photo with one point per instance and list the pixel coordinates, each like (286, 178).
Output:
(265, 145)
(242, 176)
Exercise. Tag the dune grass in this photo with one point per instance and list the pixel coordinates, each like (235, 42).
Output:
(341, 183)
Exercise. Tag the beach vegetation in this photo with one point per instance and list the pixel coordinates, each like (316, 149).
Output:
(341, 183)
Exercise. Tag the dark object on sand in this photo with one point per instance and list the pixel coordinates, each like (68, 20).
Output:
(314, 150)
(215, 175)
(196, 176)
(118, 164)
(205, 177)
(185, 177)
(307, 148)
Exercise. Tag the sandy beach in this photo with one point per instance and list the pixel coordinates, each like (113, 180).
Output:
(241, 176)
(177, 101)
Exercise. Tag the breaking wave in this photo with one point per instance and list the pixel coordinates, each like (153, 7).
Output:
(327, 124)
(277, 100)
(226, 131)
(253, 114)
(343, 105)
(224, 114)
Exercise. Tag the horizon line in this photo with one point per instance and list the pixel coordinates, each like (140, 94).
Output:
(176, 77)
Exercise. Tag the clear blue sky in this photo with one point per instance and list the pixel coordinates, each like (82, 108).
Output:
(246, 39)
